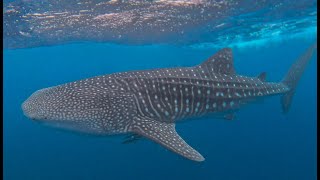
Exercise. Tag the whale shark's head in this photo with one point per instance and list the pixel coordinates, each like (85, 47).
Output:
(41, 105)
(53, 107)
(77, 107)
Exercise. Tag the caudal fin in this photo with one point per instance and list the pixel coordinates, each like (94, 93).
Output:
(293, 76)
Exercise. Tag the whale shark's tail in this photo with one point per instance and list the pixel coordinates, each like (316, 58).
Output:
(293, 76)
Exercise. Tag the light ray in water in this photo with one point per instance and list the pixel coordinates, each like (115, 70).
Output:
(31, 23)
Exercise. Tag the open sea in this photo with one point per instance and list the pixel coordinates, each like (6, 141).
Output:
(260, 143)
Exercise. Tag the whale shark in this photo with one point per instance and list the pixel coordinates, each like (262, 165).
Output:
(149, 103)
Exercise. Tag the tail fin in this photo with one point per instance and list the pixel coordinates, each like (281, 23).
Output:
(294, 75)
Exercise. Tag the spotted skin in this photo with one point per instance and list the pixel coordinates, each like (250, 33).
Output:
(149, 103)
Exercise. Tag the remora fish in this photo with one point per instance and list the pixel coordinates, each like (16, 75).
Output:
(149, 103)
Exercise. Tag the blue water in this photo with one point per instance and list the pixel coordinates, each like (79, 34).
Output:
(261, 143)
(198, 23)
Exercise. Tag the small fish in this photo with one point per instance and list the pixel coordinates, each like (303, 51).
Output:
(133, 138)
(230, 116)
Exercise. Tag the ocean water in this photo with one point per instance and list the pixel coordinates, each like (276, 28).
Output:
(261, 143)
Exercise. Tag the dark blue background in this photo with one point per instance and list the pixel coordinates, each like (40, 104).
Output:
(261, 143)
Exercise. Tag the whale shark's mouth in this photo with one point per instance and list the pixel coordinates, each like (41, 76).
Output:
(66, 125)
(57, 123)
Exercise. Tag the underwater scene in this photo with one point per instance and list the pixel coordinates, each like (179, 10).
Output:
(160, 89)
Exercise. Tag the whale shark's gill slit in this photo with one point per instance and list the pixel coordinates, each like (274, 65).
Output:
(137, 104)
(153, 108)
(168, 98)
(192, 100)
(147, 106)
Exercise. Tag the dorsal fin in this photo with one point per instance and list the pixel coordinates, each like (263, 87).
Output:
(262, 76)
(220, 63)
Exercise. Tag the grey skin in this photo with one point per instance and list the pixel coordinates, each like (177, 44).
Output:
(149, 103)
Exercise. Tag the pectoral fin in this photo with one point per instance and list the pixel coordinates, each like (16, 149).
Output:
(166, 135)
